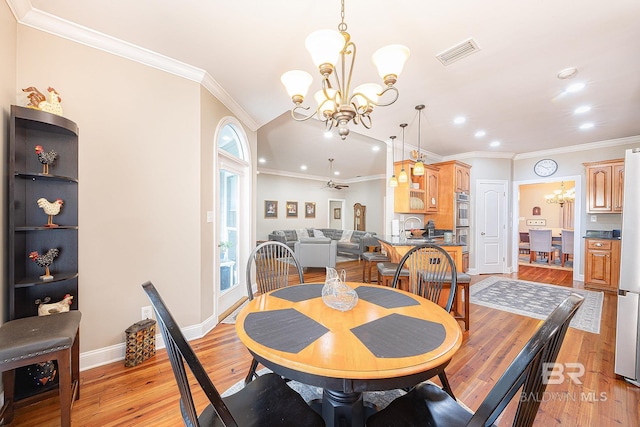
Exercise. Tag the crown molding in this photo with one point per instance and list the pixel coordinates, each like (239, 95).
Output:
(29, 16)
(580, 147)
(286, 174)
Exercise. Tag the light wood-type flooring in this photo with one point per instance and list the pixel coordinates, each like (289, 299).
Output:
(147, 395)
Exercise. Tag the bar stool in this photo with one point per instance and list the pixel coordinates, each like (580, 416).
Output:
(386, 271)
(38, 339)
(462, 283)
(369, 258)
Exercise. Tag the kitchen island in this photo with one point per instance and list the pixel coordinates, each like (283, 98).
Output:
(397, 246)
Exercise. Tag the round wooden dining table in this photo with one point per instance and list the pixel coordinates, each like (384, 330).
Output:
(390, 339)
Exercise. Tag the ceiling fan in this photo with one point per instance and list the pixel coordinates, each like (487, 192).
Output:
(330, 183)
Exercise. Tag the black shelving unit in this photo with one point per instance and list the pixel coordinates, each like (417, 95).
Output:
(27, 221)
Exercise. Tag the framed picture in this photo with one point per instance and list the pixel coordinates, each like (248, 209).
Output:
(536, 210)
(309, 210)
(292, 209)
(270, 209)
(336, 213)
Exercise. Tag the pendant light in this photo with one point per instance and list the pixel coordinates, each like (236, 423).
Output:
(418, 168)
(393, 182)
(402, 176)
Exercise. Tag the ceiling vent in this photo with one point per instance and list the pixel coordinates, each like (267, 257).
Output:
(458, 52)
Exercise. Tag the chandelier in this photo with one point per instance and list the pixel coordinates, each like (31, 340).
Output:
(561, 196)
(337, 103)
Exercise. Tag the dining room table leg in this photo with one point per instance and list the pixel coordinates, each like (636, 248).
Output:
(344, 409)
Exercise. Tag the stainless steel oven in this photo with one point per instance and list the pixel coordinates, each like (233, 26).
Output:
(462, 210)
(462, 237)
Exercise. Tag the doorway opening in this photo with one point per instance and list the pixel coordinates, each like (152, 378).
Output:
(532, 211)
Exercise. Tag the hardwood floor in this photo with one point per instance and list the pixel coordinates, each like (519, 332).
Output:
(146, 395)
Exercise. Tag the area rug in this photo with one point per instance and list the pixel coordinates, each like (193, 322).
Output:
(523, 259)
(308, 392)
(536, 300)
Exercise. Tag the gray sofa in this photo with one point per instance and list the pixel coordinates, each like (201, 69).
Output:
(355, 245)
(316, 252)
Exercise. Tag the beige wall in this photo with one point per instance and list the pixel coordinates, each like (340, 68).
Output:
(7, 97)
(146, 154)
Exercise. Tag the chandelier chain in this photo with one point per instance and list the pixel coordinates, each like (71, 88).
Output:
(342, 26)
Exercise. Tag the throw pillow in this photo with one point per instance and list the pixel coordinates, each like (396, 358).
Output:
(346, 236)
(302, 232)
(317, 233)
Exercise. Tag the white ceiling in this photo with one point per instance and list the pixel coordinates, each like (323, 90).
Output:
(509, 88)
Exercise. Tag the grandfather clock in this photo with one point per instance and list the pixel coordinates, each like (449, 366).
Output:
(359, 217)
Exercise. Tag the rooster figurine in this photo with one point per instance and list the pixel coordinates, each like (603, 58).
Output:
(45, 158)
(38, 101)
(45, 261)
(51, 209)
(62, 306)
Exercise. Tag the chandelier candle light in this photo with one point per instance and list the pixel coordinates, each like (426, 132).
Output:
(337, 104)
(561, 196)
(393, 181)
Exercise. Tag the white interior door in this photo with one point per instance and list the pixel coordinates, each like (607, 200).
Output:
(491, 227)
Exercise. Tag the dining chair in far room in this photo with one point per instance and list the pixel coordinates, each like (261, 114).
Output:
(431, 271)
(567, 246)
(269, 267)
(266, 401)
(524, 242)
(428, 405)
(540, 241)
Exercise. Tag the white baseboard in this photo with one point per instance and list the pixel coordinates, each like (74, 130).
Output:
(103, 356)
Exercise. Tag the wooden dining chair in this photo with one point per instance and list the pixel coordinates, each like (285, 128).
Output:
(523, 246)
(431, 269)
(272, 262)
(428, 405)
(266, 401)
(540, 241)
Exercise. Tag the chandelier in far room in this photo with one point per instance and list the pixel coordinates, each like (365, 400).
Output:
(337, 104)
(561, 196)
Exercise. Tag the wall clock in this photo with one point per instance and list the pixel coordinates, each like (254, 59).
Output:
(545, 167)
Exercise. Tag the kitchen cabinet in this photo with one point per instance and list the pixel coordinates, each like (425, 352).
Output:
(454, 177)
(419, 194)
(29, 227)
(602, 264)
(605, 186)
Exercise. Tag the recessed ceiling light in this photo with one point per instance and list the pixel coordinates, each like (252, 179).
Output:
(586, 126)
(576, 87)
(568, 73)
(459, 120)
(375, 148)
(303, 167)
(480, 133)
(328, 134)
(262, 160)
(336, 173)
(582, 109)
(494, 144)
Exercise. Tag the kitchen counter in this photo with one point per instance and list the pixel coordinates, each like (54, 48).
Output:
(413, 241)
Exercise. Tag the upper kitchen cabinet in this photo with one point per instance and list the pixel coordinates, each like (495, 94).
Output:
(420, 193)
(454, 177)
(605, 181)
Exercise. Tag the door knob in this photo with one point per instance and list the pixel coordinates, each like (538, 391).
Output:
(482, 234)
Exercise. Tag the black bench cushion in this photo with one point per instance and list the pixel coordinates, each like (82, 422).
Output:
(30, 336)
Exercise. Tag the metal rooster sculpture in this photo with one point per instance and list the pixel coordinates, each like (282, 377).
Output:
(45, 158)
(45, 261)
